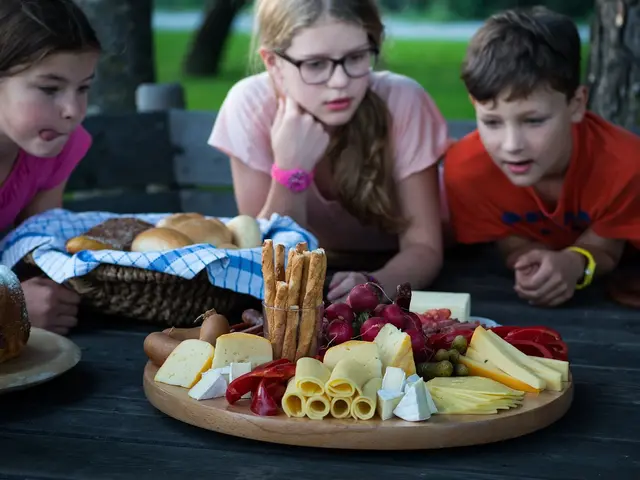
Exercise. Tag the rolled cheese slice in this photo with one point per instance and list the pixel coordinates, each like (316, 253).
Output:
(363, 406)
(317, 407)
(347, 379)
(340, 407)
(311, 376)
(293, 402)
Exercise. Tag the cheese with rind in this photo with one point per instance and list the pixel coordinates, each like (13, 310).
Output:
(395, 350)
(238, 347)
(186, 363)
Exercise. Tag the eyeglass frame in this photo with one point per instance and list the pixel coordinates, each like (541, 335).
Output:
(335, 62)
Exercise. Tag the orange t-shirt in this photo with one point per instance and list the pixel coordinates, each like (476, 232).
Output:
(601, 191)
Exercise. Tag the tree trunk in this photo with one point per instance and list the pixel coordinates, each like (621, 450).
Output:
(614, 62)
(125, 31)
(205, 53)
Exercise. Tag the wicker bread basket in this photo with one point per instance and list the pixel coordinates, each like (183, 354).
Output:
(155, 297)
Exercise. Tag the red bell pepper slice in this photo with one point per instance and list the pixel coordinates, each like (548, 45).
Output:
(503, 330)
(531, 348)
(444, 340)
(558, 350)
(265, 401)
(536, 334)
(249, 382)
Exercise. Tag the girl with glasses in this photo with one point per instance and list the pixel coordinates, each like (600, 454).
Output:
(348, 152)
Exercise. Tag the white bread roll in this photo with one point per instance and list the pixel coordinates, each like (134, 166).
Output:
(172, 221)
(206, 230)
(160, 238)
(246, 231)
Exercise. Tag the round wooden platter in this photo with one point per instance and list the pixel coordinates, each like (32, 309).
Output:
(440, 431)
(46, 356)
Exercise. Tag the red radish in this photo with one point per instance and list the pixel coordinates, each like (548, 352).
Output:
(340, 311)
(371, 327)
(377, 312)
(412, 321)
(394, 315)
(339, 332)
(363, 298)
(418, 344)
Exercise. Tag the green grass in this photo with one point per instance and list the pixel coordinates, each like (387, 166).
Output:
(434, 64)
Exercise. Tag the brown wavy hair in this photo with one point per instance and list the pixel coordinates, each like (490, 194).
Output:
(33, 30)
(366, 186)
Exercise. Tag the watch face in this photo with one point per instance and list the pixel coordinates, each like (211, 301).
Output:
(298, 181)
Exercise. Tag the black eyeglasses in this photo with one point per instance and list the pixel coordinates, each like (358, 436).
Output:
(316, 71)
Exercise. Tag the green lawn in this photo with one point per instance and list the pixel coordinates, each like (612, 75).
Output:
(434, 64)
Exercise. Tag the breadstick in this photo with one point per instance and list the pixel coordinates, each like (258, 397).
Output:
(276, 336)
(313, 348)
(305, 275)
(279, 262)
(313, 291)
(268, 276)
(302, 247)
(293, 314)
(287, 272)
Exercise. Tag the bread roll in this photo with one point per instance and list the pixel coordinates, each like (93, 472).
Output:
(246, 231)
(173, 221)
(112, 234)
(207, 230)
(14, 320)
(160, 238)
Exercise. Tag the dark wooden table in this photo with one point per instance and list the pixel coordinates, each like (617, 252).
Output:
(95, 423)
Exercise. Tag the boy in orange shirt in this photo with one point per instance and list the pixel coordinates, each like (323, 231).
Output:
(557, 187)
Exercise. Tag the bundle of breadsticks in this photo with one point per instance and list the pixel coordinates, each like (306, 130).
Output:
(294, 294)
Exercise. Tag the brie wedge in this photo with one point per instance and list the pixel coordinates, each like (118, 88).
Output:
(414, 406)
(211, 385)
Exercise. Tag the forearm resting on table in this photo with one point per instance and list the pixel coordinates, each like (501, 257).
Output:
(514, 247)
(606, 252)
(284, 202)
(416, 264)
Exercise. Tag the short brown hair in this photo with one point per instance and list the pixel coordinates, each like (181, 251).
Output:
(520, 50)
(33, 29)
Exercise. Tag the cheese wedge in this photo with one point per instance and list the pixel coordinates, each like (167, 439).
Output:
(558, 365)
(341, 407)
(186, 363)
(387, 402)
(365, 353)
(395, 349)
(238, 347)
(212, 385)
(493, 350)
(458, 303)
(414, 406)
(347, 379)
(293, 402)
(552, 378)
(317, 407)
(488, 370)
(311, 376)
(363, 406)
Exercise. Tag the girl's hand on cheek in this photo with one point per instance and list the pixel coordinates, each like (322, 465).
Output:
(297, 139)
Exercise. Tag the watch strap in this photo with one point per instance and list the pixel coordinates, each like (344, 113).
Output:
(590, 268)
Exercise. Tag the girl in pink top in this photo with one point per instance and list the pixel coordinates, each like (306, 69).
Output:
(347, 152)
(48, 54)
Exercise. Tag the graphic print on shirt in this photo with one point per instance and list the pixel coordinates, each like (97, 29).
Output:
(576, 221)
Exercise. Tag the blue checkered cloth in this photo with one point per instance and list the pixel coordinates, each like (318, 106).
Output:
(238, 270)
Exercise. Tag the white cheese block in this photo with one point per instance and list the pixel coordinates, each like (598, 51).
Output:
(237, 370)
(393, 380)
(211, 385)
(387, 402)
(224, 371)
(458, 303)
(414, 406)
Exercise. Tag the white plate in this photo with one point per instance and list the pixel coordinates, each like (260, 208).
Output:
(486, 322)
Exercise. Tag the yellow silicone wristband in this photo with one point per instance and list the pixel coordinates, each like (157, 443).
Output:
(590, 269)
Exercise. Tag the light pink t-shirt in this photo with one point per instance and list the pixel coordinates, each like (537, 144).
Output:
(242, 130)
(31, 175)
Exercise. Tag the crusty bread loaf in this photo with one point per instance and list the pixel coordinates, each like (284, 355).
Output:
(246, 231)
(14, 319)
(112, 234)
(160, 238)
(206, 230)
(173, 221)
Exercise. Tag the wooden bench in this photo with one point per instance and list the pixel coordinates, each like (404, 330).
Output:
(159, 162)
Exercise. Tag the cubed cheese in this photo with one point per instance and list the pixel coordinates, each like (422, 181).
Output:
(387, 402)
(458, 303)
(393, 380)
(241, 347)
(237, 370)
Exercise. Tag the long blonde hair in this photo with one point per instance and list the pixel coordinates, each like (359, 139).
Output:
(366, 187)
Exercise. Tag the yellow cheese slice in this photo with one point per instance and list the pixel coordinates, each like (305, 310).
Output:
(238, 347)
(347, 379)
(186, 363)
(488, 347)
(293, 402)
(311, 376)
(552, 378)
(365, 353)
(363, 406)
(340, 407)
(474, 384)
(561, 366)
(317, 407)
(394, 346)
(481, 369)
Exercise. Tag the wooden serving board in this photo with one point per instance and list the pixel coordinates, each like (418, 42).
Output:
(46, 356)
(440, 431)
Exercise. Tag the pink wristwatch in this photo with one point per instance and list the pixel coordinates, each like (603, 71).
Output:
(296, 180)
